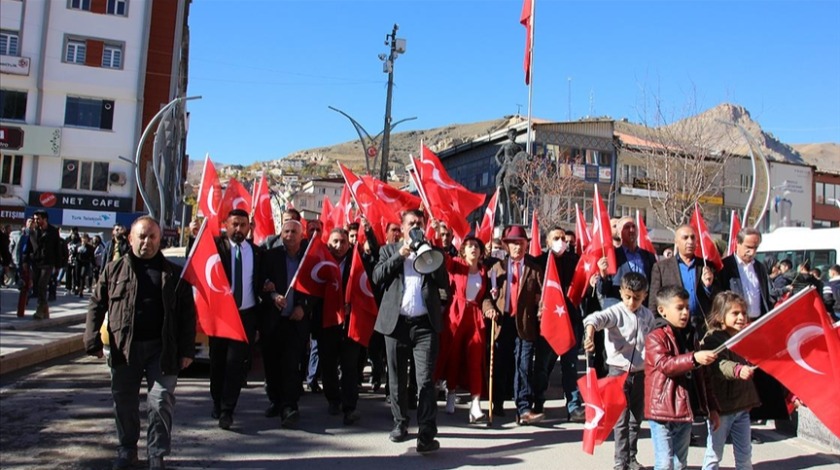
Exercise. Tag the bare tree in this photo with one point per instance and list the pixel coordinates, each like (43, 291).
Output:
(552, 188)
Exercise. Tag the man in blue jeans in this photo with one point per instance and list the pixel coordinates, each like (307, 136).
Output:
(151, 330)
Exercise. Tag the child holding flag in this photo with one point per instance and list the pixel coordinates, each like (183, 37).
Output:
(732, 383)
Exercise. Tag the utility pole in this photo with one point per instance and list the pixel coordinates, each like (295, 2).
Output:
(397, 47)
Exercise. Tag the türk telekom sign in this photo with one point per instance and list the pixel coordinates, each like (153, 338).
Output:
(79, 201)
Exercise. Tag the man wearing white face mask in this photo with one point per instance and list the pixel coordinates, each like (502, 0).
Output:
(566, 260)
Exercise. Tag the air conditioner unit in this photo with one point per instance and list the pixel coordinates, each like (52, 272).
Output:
(117, 177)
(4, 190)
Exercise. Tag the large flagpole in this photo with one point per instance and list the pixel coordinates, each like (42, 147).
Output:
(530, 76)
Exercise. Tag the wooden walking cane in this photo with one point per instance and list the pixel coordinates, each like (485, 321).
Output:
(490, 391)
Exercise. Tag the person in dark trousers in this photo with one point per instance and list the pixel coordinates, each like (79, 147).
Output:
(410, 319)
(151, 333)
(117, 246)
(44, 251)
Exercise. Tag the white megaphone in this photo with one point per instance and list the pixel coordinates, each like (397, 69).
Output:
(428, 259)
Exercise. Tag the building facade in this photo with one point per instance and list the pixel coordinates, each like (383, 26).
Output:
(79, 82)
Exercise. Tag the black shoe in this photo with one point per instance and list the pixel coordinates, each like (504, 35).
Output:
(635, 465)
(314, 387)
(424, 446)
(290, 418)
(334, 409)
(216, 413)
(398, 434)
(376, 387)
(499, 410)
(272, 410)
(226, 420)
(578, 415)
(351, 417)
(125, 459)
(755, 439)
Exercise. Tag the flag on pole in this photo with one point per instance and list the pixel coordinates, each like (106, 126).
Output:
(263, 215)
(319, 276)
(484, 232)
(235, 197)
(535, 249)
(526, 19)
(396, 200)
(369, 205)
(587, 266)
(555, 326)
(708, 249)
(605, 401)
(734, 228)
(359, 296)
(602, 245)
(582, 235)
(210, 195)
(644, 239)
(325, 217)
(216, 312)
(798, 345)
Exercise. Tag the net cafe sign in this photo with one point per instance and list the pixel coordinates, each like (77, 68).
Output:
(79, 201)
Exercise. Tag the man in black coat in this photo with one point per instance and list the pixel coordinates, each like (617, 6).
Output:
(410, 319)
(44, 250)
(629, 257)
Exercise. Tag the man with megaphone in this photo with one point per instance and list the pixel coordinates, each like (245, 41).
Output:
(410, 274)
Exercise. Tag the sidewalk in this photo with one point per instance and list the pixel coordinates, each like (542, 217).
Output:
(25, 341)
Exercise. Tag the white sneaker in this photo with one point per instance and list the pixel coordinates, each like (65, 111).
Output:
(450, 403)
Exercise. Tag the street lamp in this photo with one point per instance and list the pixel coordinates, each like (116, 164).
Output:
(397, 48)
(370, 148)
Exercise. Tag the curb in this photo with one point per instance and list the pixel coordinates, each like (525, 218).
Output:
(35, 325)
(42, 353)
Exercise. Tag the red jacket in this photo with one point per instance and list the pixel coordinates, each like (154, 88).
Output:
(668, 375)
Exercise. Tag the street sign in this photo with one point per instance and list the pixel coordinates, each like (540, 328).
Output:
(371, 151)
(11, 138)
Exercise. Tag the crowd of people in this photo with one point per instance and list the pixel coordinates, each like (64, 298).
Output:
(438, 331)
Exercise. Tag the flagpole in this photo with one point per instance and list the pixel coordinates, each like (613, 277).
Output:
(203, 172)
(761, 320)
(601, 231)
(530, 76)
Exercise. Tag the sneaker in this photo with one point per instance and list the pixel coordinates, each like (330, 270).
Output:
(156, 463)
(125, 459)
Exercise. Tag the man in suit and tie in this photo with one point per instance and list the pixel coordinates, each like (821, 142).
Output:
(628, 258)
(410, 319)
(518, 282)
(241, 261)
(689, 271)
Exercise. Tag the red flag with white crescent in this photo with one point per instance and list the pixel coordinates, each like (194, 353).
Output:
(526, 19)
(605, 401)
(235, 197)
(734, 228)
(643, 241)
(485, 230)
(359, 296)
(318, 275)
(210, 195)
(216, 312)
(555, 326)
(263, 215)
(797, 344)
(602, 245)
(369, 205)
(708, 249)
(325, 217)
(396, 200)
(582, 235)
(586, 267)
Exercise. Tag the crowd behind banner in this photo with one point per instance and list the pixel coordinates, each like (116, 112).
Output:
(323, 299)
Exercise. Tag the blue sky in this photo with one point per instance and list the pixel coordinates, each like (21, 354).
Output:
(268, 69)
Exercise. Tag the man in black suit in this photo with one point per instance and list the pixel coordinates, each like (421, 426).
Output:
(241, 261)
(410, 319)
(285, 324)
(689, 271)
(628, 258)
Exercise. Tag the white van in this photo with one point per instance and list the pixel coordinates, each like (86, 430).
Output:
(819, 246)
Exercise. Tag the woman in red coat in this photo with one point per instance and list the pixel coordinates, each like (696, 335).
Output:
(462, 358)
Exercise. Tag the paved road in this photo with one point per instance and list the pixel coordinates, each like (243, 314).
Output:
(59, 416)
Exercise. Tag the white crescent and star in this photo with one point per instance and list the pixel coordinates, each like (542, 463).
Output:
(208, 272)
(363, 285)
(210, 205)
(354, 186)
(599, 414)
(264, 206)
(554, 284)
(794, 345)
(317, 267)
(381, 193)
(239, 200)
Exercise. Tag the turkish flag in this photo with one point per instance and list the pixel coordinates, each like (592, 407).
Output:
(342, 212)
(708, 249)
(363, 309)
(484, 232)
(582, 235)
(605, 401)
(734, 228)
(449, 201)
(216, 312)
(369, 205)
(263, 215)
(526, 19)
(318, 275)
(644, 239)
(326, 219)
(396, 200)
(235, 197)
(534, 249)
(797, 344)
(602, 245)
(210, 194)
(586, 267)
(555, 326)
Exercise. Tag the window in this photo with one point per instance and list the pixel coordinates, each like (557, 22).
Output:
(75, 52)
(9, 41)
(85, 112)
(112, 56)
(89, 176)
(80, 4)
(13, 105)
(117, 7)
(10, 169)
